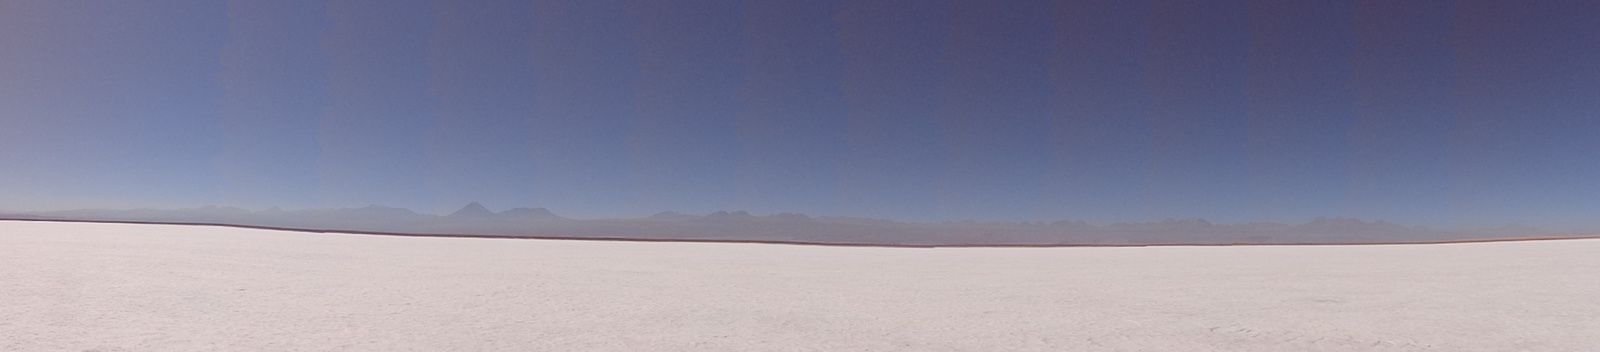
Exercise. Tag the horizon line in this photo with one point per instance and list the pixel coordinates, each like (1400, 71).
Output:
(804, 243)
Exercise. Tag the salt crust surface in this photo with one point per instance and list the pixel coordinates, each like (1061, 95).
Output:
(120, 287)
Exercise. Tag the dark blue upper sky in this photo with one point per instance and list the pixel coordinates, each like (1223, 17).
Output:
(1426, 112)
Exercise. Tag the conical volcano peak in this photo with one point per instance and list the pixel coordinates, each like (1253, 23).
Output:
(473, 210)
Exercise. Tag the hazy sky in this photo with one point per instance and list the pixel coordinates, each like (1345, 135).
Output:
(1430, 112)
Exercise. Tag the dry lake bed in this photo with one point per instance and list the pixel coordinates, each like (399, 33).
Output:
(119, 287)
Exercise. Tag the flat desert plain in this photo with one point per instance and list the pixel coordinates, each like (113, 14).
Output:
(118, 287)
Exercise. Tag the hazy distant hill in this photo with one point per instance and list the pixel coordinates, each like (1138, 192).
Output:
(476, 219)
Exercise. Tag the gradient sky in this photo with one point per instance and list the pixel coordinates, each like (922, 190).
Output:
(1424, 112)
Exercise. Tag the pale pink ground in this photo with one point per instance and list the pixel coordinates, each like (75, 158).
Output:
(108, 287)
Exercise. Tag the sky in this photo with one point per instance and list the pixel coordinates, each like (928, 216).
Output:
(1479, 113)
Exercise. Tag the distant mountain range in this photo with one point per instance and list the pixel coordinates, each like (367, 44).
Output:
(477, 220)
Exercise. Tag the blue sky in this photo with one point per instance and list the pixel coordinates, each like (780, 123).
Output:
(1444, 113)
